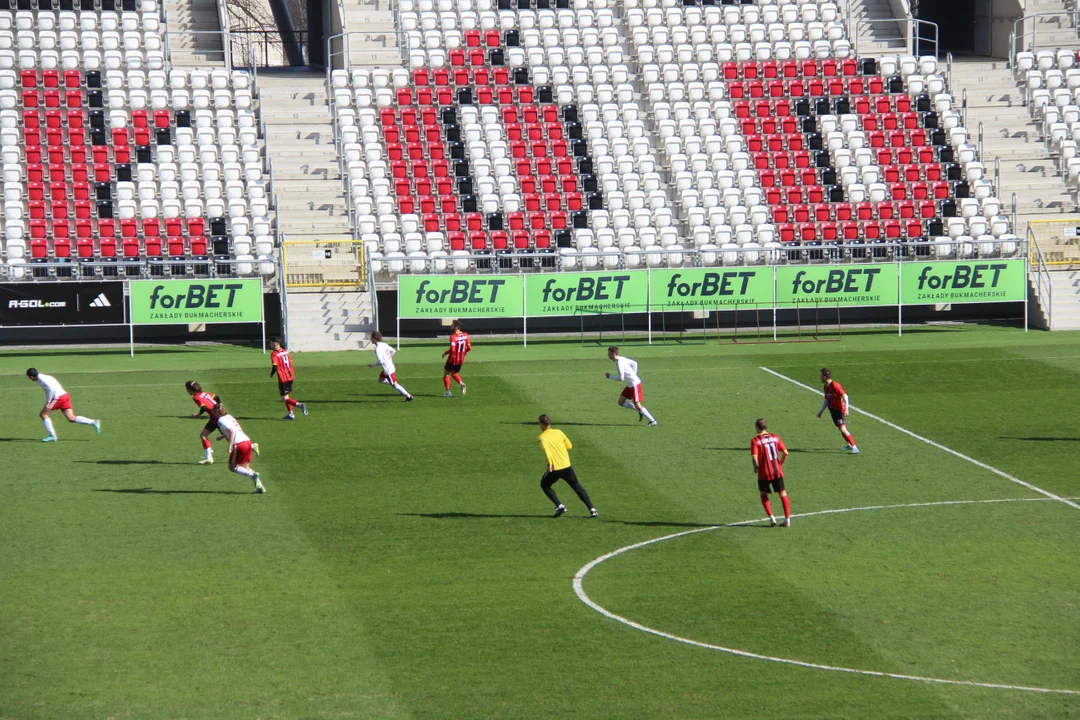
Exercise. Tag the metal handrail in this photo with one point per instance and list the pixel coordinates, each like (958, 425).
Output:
(1041, 271)
(1017, 35)
(223, 34)
(911, 32)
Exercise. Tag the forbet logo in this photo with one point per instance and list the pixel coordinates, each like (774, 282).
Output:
(461, 292)
(198, 296)
(712, 284)
(837, 282)
(962, 277)
(586, 288)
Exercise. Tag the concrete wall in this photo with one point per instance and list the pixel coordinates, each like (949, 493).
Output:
(1003, 14)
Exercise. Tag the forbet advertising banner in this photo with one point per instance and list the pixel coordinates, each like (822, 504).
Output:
(426, 296)
(587, 293)
(705, 289)
(175, 302)
(832, 285)
(935, 283)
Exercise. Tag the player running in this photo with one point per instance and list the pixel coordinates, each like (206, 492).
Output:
(460, 345)
(206, 402)
(631, 394)
(384, 358)
(240, 445)
(57, 398)
(281, 365)
(836, 400)
(768, 453)
(556, 446)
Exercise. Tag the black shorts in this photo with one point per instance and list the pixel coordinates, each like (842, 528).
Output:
(837, 417)
(777, 485)
(284, 387)
(553, 476)
(452, 369)
(210, 427)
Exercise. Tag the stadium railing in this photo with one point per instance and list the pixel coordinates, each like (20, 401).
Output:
(1057, 242)
(324, 263)
(1040, 275)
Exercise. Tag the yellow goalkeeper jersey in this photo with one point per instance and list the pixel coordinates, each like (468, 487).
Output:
(556, 446)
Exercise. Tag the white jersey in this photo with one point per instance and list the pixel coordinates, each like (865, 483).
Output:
(627, 371)
(52, 387)
(385, 355)
(228, 425)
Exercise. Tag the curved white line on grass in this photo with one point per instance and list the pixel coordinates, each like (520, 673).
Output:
(580, 591)
(939, 446)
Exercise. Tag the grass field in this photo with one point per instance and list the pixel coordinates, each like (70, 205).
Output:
(404, 562)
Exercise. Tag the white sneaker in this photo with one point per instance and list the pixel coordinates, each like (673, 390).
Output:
(207, 461)
(652, 424)
(448, 394)
(462, 388)
(560, 510)
(854, 449)
(786, 523)
(772, 522)
(303, 409)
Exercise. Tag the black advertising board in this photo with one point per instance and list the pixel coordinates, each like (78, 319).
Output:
(28, 304)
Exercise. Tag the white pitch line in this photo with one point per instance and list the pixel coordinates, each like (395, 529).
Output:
(939, 446)
(580, 591)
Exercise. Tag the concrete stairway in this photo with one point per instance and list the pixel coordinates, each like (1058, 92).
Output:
(300, 145)
(1027, 169)
(874, 33)
(373, 40)
(1065, 300)
(190, 39)
(1050, 33)
(330, 320)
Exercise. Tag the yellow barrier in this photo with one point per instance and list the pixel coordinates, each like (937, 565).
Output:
(1059, 240)
(324, 263)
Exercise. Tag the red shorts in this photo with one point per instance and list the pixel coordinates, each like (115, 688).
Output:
(633, 394)
(241, 454)
(61, 403)
(392, 377)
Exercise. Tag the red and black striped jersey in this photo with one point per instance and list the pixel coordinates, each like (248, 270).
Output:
(834, 396)
(769, 450)
(460, 345)
(281, 360)
(204, 400)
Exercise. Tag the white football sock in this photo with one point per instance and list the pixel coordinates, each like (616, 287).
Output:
(49, 426)
(628, 405)
(83, 420)
(648, 417)
(209, 453)
(246, 472)
(386, 381)
(400, 389)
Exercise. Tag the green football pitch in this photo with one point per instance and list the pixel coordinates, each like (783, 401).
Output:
(404, 562)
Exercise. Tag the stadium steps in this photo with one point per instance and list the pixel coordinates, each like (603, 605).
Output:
(374, 42)
(186, 49)
(1009, 134)
(876, 33)
(330, 320)
(1065, 300)
(300, 144)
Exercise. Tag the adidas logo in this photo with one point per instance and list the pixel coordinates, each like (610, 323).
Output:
(100, 302)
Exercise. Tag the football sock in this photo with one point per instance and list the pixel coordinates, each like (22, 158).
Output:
(648, 417)
(850, 439)
(457, 379)
(576, 486)
(446, 381)
(290, 403)
(83, 420)
(627, 404)
(206, 443)
(209, 453)
(400, 389)
(49, 426)
(766, 504)
(246, 472)
(787, 505)
(385, 381)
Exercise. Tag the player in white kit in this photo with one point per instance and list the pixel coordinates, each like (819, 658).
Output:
(384, 358)
(631, 395)
(57, 398)
(240, 446)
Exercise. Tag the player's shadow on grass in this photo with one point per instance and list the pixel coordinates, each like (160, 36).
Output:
(813, 451)
(1039, 439)
(533, 423)
(4, 439)
(131, 462)
(473, 516)
(151, 491)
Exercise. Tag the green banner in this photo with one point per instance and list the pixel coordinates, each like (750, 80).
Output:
(704, 289)
(179, 302)
(832, 285)
(935, 283)
(587, 293)
(426, 296)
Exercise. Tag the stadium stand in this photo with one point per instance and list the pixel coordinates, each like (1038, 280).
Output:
(736, 131)
(1051, 80)
(116, 165)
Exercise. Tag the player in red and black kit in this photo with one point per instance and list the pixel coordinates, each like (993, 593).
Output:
(206, 402)
(281, 365)
(460, 345)
(768, 452)
(836, 400)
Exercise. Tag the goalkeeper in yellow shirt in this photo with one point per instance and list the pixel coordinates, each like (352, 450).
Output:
(556, 448)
